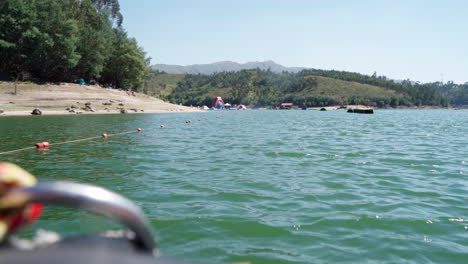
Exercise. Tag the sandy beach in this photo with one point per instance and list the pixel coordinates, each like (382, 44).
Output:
(71, 99)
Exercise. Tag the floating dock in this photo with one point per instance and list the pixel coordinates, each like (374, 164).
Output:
(361, 110)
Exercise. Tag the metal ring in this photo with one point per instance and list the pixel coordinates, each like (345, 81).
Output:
(90, 198)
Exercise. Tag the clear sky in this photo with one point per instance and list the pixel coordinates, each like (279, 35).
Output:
(424, 40)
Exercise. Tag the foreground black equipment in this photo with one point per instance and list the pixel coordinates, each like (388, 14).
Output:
(134, 246)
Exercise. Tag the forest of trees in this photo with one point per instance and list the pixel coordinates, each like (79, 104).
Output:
(64, 40)
(457, 93)
(265, 88)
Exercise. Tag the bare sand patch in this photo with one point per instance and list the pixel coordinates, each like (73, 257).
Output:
(54, 99)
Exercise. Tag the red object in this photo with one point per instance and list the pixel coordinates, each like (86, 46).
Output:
(12, 177)
(35, 211)
(218, 103)
(162, 126)
(42, 145)
(104, 135)
(139, 129)
(17, 220)
(30, 214)
(188, 121)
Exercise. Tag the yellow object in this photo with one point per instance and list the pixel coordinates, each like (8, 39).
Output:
(12, 176)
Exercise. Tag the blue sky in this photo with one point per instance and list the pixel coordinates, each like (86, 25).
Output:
(421, 40)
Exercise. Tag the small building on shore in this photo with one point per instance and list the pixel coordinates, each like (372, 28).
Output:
(286, 106)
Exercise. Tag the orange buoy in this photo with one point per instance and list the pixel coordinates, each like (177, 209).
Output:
(139, 129)
(104, 135)
(42, 145)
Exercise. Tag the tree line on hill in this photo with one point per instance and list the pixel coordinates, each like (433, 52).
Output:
(458, 93)
(266, 88)
(438, 92)
(63, 40)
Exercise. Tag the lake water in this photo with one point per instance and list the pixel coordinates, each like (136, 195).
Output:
(269, 186)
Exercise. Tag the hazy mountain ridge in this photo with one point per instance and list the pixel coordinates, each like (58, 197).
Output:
(225, 66)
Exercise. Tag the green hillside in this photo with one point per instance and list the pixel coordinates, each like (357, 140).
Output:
(344, 89)
(306, 88)
(326, 87)
(161, 85)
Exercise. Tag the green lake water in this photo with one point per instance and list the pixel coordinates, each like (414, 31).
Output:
(269, 186)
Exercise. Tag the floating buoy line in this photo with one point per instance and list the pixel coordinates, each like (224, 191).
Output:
(46, 145)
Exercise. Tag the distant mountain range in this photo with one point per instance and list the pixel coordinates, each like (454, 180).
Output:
(225, 66)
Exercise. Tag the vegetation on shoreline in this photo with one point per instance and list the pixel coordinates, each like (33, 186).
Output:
(457, 93)
(64, 40)
(312, 88)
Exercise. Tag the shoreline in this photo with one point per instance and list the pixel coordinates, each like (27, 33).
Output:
(98, 112)
(337, 107)
(193, 110)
